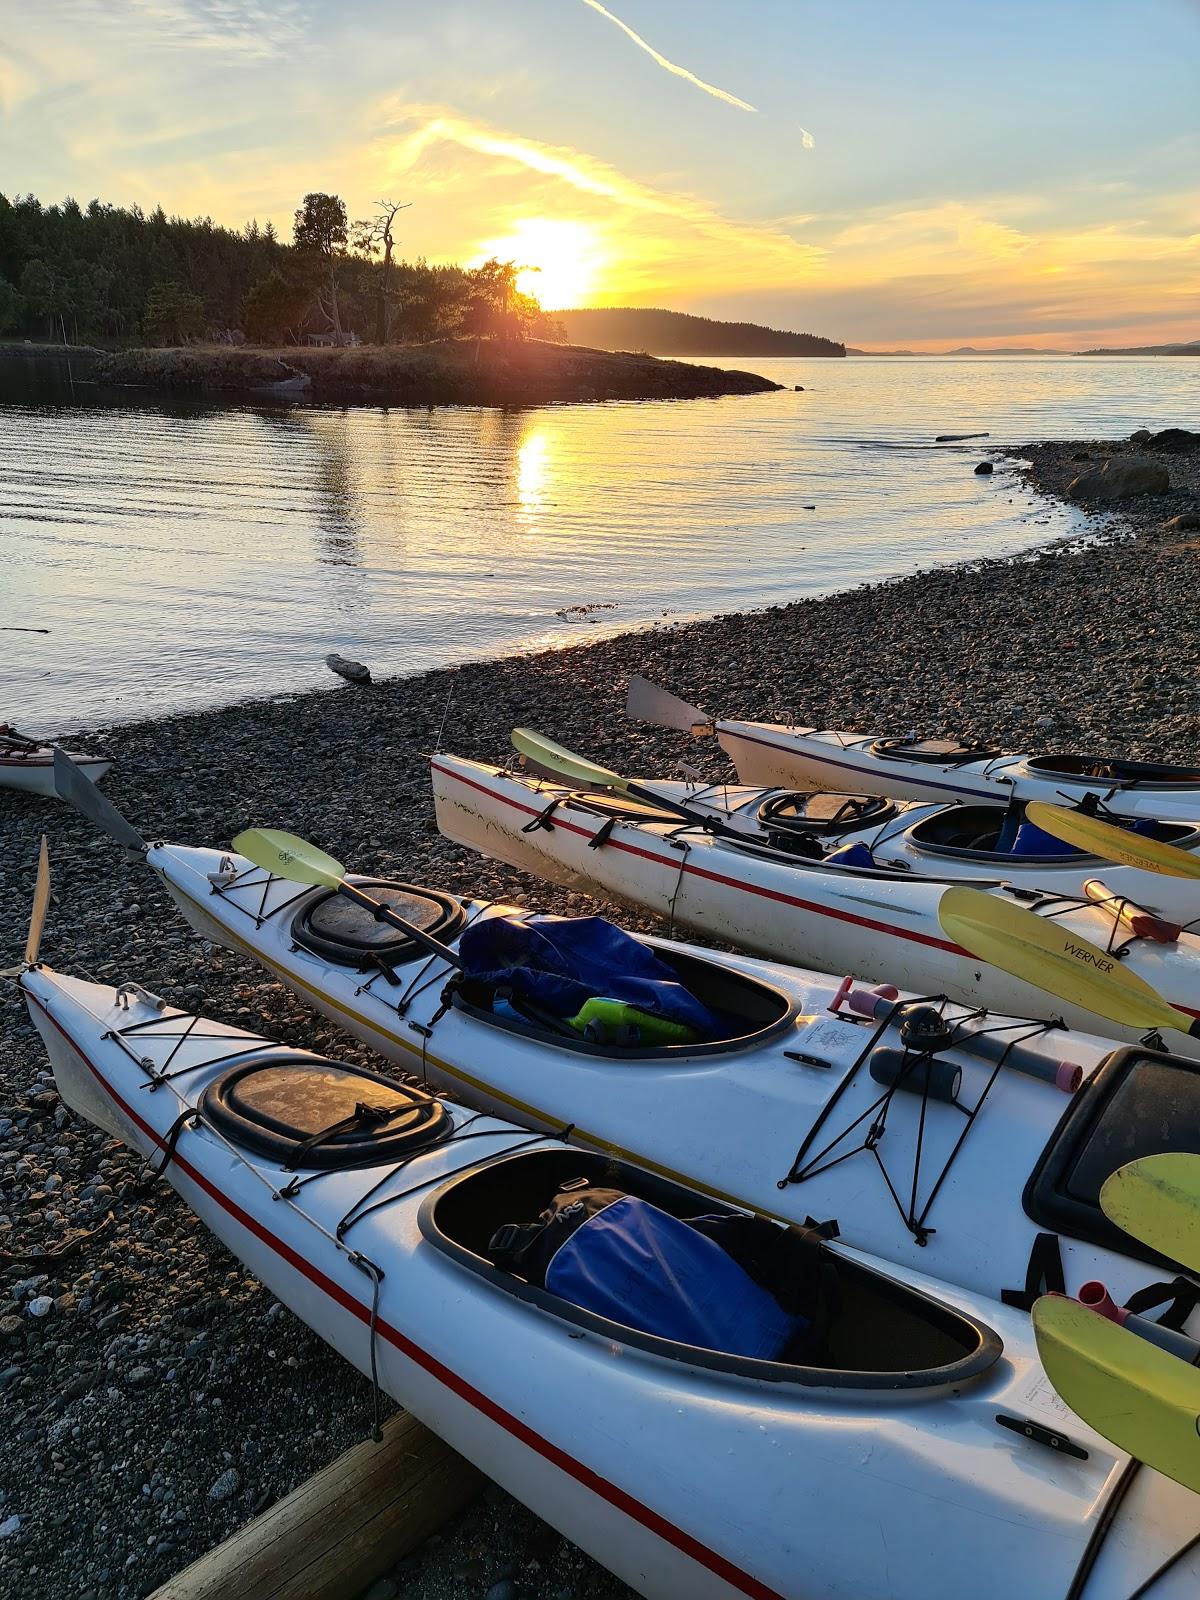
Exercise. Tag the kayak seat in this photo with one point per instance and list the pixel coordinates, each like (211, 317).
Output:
(1138, 1102)
(302, 1110)
(1113, 771)
(835, 1323)
(937, 752)
(978, 833)
(330, 926)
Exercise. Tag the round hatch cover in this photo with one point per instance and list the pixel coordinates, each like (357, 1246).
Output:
(303, 1110)
(822, 812)
(332, 926)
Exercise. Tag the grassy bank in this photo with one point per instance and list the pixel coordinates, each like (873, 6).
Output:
(452, 371)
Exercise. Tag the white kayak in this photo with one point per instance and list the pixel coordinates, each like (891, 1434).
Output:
(774, 1116)
(29, 766)
(959, 843)
(774, 754)
(921, 1451)
(876, 923)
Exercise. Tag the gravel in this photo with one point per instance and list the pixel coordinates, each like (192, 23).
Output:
(153, 1394)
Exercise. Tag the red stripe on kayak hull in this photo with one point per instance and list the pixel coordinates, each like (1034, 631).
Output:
(733, 883)
(619, 1498)
(717, 877)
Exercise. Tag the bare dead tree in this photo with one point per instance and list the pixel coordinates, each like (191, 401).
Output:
(371, 235)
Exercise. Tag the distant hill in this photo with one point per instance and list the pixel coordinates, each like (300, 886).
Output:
(674, 333)
(963, 350)
(1190, 349)
(1003, 350)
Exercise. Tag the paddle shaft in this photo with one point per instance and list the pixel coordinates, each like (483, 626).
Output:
(383, 913)
(707, 820)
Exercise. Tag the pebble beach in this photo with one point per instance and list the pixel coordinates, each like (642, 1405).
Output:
(154, 1396)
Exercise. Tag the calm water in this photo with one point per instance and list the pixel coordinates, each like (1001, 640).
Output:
(182, 556)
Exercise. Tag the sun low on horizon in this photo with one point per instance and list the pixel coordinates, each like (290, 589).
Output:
(563, 264)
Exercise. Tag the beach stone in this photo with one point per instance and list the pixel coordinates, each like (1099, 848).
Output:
(226, 1486)
(1119, 479)
(505, 1589)
(1140, 436)
(40, 1306)
(984, 469)
(10, 1326)
(1176, 441)
(352, 671)
(1185, 522)
(9, 1526)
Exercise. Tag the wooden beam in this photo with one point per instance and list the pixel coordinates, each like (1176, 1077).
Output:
(343, 1528)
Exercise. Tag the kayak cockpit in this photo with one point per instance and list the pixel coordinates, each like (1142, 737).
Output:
(749, 1011)
(1138, 1102)
(1002, 836)
(1114, 773)
(854, 1328)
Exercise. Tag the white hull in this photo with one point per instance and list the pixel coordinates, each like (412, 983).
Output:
(685, 1481)
(34, 773)
(774, 755)
(905, 841)
(730, 1123)
(881, 927)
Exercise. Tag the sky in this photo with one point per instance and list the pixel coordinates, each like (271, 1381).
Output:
(916, 175)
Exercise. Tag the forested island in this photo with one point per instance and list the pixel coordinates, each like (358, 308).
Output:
(175, 304)
(675, 333)
(103, 274)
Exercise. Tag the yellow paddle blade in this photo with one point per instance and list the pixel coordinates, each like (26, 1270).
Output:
(1051, 957)
(289, 857)
(1114, 844)
(1157, 1200)
(1144, 1399)
(557, 758)
(41, 900)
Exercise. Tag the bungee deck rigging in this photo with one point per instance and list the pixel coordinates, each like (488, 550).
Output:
(656, 1106)
(814, 1443)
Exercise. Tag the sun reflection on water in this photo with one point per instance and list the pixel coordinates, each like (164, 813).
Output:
(532, 472)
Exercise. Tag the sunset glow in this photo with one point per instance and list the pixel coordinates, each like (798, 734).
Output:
(756, 165)
(563, 264)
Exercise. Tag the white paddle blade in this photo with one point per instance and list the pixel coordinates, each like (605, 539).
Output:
(41, 900)
(78, 790)
(646, 702)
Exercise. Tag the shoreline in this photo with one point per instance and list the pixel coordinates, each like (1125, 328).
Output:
(163, 1371)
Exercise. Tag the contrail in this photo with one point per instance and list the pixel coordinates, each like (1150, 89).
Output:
(680, 72)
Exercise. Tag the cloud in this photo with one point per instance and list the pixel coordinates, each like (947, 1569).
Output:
(670, 66)
(250, 29)
(653, 236)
